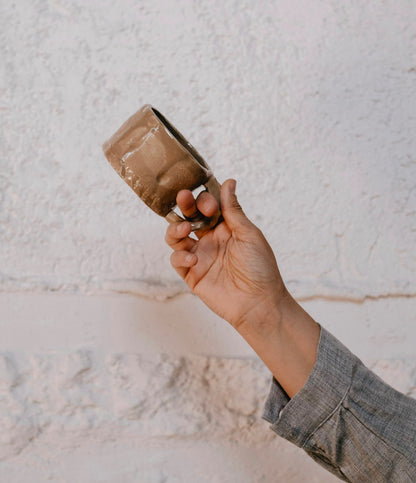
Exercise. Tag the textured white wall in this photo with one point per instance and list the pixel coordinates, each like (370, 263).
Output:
(107, 372)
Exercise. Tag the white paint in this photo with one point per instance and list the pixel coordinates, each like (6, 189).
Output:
(374, 330)
(89, 375)
(310, 106)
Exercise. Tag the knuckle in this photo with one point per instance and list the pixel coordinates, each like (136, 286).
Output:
(235, 204)
(179, 245)
(256, 230)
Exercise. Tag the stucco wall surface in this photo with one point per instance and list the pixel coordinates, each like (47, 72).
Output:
(310, 106)
(109, 369)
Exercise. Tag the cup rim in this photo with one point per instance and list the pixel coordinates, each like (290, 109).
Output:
(180, 138)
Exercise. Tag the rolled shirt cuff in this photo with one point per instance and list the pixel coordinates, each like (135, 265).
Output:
(296, 418)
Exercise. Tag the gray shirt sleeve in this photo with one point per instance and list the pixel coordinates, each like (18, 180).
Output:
(348, 419)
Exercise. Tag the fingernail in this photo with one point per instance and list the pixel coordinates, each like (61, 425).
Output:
(233, 185)
(182, 227)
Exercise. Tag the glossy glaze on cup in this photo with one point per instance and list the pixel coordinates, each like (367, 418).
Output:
(156, 161)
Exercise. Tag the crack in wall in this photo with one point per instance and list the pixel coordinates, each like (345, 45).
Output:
(164, 292)
(355, 300)
(167, 297)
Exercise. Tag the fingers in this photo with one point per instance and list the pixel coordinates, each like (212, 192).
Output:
(182, 260)
(177, 236)
(186, 203)
(205, 203)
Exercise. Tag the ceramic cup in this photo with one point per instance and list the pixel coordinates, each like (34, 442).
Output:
(156, 161)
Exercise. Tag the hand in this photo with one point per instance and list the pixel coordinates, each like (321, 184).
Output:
(231, 267)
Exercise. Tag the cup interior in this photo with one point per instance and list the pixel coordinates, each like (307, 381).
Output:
(178, 136)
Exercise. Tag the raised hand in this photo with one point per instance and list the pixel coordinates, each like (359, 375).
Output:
(231, 267)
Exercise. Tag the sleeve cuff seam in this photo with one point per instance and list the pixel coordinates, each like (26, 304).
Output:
(309, 436)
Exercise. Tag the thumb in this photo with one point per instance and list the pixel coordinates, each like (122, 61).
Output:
(231, 209)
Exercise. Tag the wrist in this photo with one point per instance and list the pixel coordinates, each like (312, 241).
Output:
(268, 315)
(286, 339)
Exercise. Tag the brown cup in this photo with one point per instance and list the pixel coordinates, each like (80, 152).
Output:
(156, 161)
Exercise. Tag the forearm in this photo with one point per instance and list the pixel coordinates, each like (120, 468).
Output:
(344, 416)
(286, 338)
